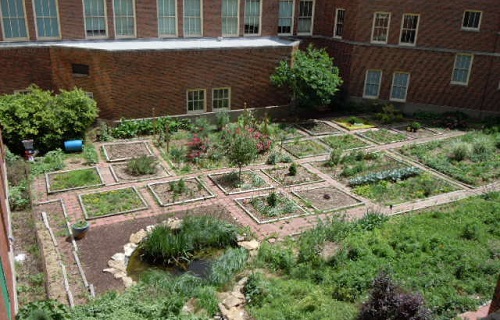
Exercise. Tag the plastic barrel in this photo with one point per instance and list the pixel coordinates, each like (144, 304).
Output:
(73, 145)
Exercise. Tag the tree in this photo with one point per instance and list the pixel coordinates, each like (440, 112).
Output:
(389, 302)
(242, 149)
(310, 76)
(48, 119)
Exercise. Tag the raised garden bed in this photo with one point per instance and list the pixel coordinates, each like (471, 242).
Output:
(180, 191)
(126, 150)
(306, 148)
(229, 184)
(73, 179)
(344, 142)
(419, 134)
(327, 199)
(383, 136)
(316, 128)
(112, 202)
(473, 159)
(354, 123)
(121, 174)
(287, 131)
(281, 174)
(260, 210)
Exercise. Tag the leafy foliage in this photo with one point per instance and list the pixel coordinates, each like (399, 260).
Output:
(52, 161)
(41, 310)
(48, 119)
(90, 154)
(391, 175)
(242, 149)
(390, 114)
(142, 165)
(312, 78)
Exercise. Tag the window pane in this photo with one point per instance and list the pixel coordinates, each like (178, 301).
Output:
(192, 17)
(372, 84)
(305, 16)
(285, 17)
(95, 19)
(230, 17)
(167, 17)
(252, 16)
(13, 19)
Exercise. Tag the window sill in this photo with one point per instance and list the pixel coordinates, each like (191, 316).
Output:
(462, 84)
(470, 29)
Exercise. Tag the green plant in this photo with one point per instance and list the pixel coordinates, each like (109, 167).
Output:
(52, 161)
(111, 202)
(390, 114)
(48, 309)
(222, 119)
(19, 197)
(81, 224)
(277, 157)
(178, 154)
(335, 157)
(257, 289)
(74, 179)
(224, 268)
(460, 150)
(392, 175)
(272, 199)
(353, 120)
(415, 126)
(90, 154)
(242, 150)
(292, 170)
(178, 187)
(142, 165)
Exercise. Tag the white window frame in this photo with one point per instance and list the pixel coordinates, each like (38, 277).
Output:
(335, 26)
(192, 17)
(469, 70)
(119, 36)
(231, 17)
(299, 17)
(228, 98)
(56, 3)
(291, 19)
(168, 35)
(387, 28)
(246, 34)
(379, 84)
(25, 25)
(391, 98)
(414, 43)
(478, 24)
(87, 36)
(204, 101)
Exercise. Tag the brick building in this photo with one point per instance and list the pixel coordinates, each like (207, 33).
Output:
(196, 56)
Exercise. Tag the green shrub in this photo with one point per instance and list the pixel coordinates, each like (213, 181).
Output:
(390, 114)
(52, 161)
(415, 126)
(222, 119)
(292, 170)
(371, 221)
(391, 175)
(90, 154)
(460, 150)
(272, 199)
(276, 157)
(276, 257)
(224, 268)
(483, 146)
(178, 187)
(142, 165)
(257, 289)
(335, 157)
(48, 309)
(19, 198)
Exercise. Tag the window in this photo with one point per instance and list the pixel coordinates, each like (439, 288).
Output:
(95, 18)
(400, 81)
(124, 18)
(462, 68)
(380, 31)
(285, 20)
(252, 17)
(80, 69)
(196, 101)
(305, 21)
(47, 20)
(13, 20)
(167, 18)
(409, 27)
(192, 18)
(221, 98)
(372, 83)
(472, 20)
(230, 17)
(338, 30)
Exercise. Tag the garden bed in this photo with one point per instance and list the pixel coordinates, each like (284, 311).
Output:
(259, 209)
(473, 159)
(180, 191)
(126, 150)
(73, 179)
(327, 199)
(281, 174)
(383, 136)
(306, 148)
(121, 174)
(110, 203)
(354, 123)
(228, 182)
(316, 128)
(344, 142)
(419, 134)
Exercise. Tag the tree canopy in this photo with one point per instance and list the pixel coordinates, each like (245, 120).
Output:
(311, 77)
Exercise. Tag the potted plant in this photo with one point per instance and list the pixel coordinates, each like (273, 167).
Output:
(80, 229)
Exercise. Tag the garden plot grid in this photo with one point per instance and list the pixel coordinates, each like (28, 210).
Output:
(327, 199)
(122, 151)
(251, 181)
(120, 174)
(180, 191)
(69, 180)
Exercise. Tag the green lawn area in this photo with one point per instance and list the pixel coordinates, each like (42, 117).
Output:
(106, 203)
(60, 181)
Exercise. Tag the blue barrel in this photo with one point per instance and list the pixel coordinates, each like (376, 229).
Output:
(73, 145)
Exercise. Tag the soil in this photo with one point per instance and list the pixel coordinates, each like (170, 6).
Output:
(262, 218)
(194, 190)
(327, 198)
(102, 242)
(420, 133)
(125, 151)
(283, 176)
(247, 182)
(317, 128)
(120, 170)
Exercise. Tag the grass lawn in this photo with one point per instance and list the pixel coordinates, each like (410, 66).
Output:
(344, 142)
(100, 204)
(60, 181)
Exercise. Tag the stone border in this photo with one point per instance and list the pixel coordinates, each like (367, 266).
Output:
(47, 180)
(368, 145)
(308, 156)
(362, 135)
(309, 132)
(162, 168)
(157, 198)
(292, 185)
(151, 153)
(359, 203)
(258, 221)
(112, 214)
(212, 175)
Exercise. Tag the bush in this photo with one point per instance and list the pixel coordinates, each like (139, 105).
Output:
(52, 161)
(224, 268)
(257, 289)
(142, 165)
(292, 170)
(392, 175)
(272, 199)
(390, 114)
(277, 157)
(178, 187)
(335, 158)
(47, 118)
(19, 197)
(371, 221)
(460, 150)
(222, 119)
(90, 154)
(415, 126)
(48, 309)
